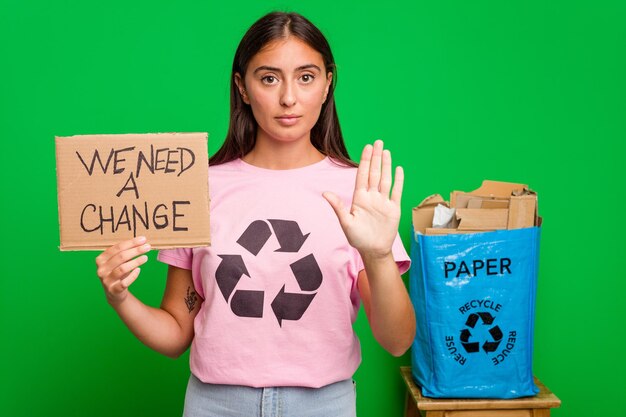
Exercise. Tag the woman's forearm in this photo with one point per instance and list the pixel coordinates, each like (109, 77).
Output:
(154, 327)
(391, 315)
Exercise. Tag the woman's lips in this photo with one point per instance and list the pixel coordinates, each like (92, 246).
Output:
(288, 120)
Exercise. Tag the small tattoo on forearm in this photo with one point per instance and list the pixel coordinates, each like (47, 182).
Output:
(191, 299)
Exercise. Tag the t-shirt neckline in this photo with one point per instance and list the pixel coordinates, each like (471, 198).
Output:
(253, 168)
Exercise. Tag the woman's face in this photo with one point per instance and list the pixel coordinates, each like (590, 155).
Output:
(285, 85)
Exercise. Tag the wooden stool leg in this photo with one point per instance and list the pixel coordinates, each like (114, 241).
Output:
(410, 408)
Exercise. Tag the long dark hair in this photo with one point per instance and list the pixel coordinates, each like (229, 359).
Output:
(326, 134)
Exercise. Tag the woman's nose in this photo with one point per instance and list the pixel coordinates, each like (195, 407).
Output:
(288, 95)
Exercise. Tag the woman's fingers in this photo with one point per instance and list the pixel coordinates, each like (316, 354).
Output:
(118, 266)
(126, 282)
(338, 206)
(121, 271)
(396, 192)
(122, 277)
(105, 256)
(363, 172)
(385, 179)
(375, 171)
(123, 257)
(118, 287)
(119, 258)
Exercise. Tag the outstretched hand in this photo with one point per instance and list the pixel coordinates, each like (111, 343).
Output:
(371, 224)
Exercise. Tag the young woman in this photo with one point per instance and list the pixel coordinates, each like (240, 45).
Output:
(300, 237)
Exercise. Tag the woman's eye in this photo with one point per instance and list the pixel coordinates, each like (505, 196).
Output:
(269, 79)
(307, 78)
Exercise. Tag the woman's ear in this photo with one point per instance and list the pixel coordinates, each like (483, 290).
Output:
(242, 88)
(329, 80)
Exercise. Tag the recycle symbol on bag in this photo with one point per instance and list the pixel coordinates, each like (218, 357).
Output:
(489, 345)
(285, 305)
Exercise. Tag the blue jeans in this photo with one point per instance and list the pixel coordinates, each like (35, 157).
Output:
(212, 400)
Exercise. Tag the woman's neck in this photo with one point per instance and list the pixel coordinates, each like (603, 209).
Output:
(282, 155)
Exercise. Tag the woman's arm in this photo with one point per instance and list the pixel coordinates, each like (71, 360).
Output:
(168, 329)
(371, 226)
(387, 305)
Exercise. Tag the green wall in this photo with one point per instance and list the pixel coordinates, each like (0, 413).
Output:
(528, 91)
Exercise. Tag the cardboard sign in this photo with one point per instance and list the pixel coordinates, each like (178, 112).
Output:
(115, 187)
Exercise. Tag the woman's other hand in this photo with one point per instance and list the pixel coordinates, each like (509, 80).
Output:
(118, 267)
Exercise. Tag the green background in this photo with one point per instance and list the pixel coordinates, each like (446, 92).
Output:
(528, 91)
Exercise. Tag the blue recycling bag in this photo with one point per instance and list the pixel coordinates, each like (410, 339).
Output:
(474, 300)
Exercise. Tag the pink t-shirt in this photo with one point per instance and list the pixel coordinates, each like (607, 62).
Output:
(279, 281)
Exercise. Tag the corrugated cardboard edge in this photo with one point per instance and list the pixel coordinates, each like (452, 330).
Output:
(435, 231)
(490, 189)
(432, 200)
(101, 248)
(105, 135)
(56, 171)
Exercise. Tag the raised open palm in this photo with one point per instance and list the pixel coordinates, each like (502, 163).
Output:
(371, 224)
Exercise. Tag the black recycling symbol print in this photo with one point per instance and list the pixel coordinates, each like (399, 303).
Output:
(285, 305)
(489, 345)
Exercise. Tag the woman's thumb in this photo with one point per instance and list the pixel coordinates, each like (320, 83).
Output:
(337, 205)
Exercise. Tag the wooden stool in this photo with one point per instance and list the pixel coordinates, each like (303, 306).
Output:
(416, 405)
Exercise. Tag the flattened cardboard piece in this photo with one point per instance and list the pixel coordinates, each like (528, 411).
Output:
(433, 231)
(482, 219)
(474, 203)
(114, 187)
(467, 200)
(432, 200)
(534, 194)
(498, 188)
(492, 189)
(424, 212)
(522, 211)
(482, 202)
(492, 204)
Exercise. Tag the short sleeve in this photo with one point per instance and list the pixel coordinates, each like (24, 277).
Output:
(399, 255)
(180, 257)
